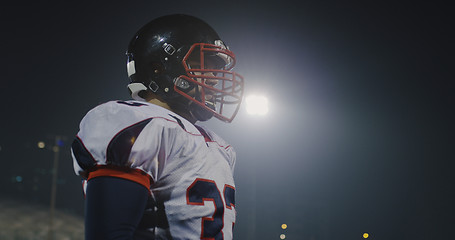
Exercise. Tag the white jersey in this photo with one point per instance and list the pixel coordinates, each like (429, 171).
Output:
(190, 168)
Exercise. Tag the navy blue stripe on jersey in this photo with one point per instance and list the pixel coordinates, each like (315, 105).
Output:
(83, 156)
(178, 121)
(119, 149)
(229, 196)
(132, 104)
(204, 133)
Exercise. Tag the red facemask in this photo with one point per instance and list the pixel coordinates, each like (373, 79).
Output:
(217, 89)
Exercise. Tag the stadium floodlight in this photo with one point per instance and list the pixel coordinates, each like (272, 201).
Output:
(257, 105)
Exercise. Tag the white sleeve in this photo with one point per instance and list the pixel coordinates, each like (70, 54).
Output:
(122, 135)
(152, 148)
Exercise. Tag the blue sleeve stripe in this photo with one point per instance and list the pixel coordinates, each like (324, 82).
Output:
(119, 149)
(83, 156)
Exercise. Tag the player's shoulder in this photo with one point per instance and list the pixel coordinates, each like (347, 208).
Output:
(214, 137)
(134, 110)
(137, 108)
(221, 145)
(131, 111)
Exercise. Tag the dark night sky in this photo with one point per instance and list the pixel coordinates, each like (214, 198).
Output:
(359, 137)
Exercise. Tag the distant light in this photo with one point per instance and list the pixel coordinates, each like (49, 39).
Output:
(41, 144)
(366, 235)
(282, 236)
(257, 105)
(19, 179)
(60, 143)
(284, 226)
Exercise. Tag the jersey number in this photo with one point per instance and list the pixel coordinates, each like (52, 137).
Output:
(206, 190)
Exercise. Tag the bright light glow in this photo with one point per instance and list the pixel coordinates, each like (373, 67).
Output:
(257, 105)
(282, 236)
(41, 144)
(366, 235)
(284, 226)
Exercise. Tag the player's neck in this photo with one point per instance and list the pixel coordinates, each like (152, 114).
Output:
(160, 103)
(163, 104)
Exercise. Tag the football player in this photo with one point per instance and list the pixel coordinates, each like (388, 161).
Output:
(149, 171)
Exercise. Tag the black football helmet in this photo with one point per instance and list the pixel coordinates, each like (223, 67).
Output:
(182, 59)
